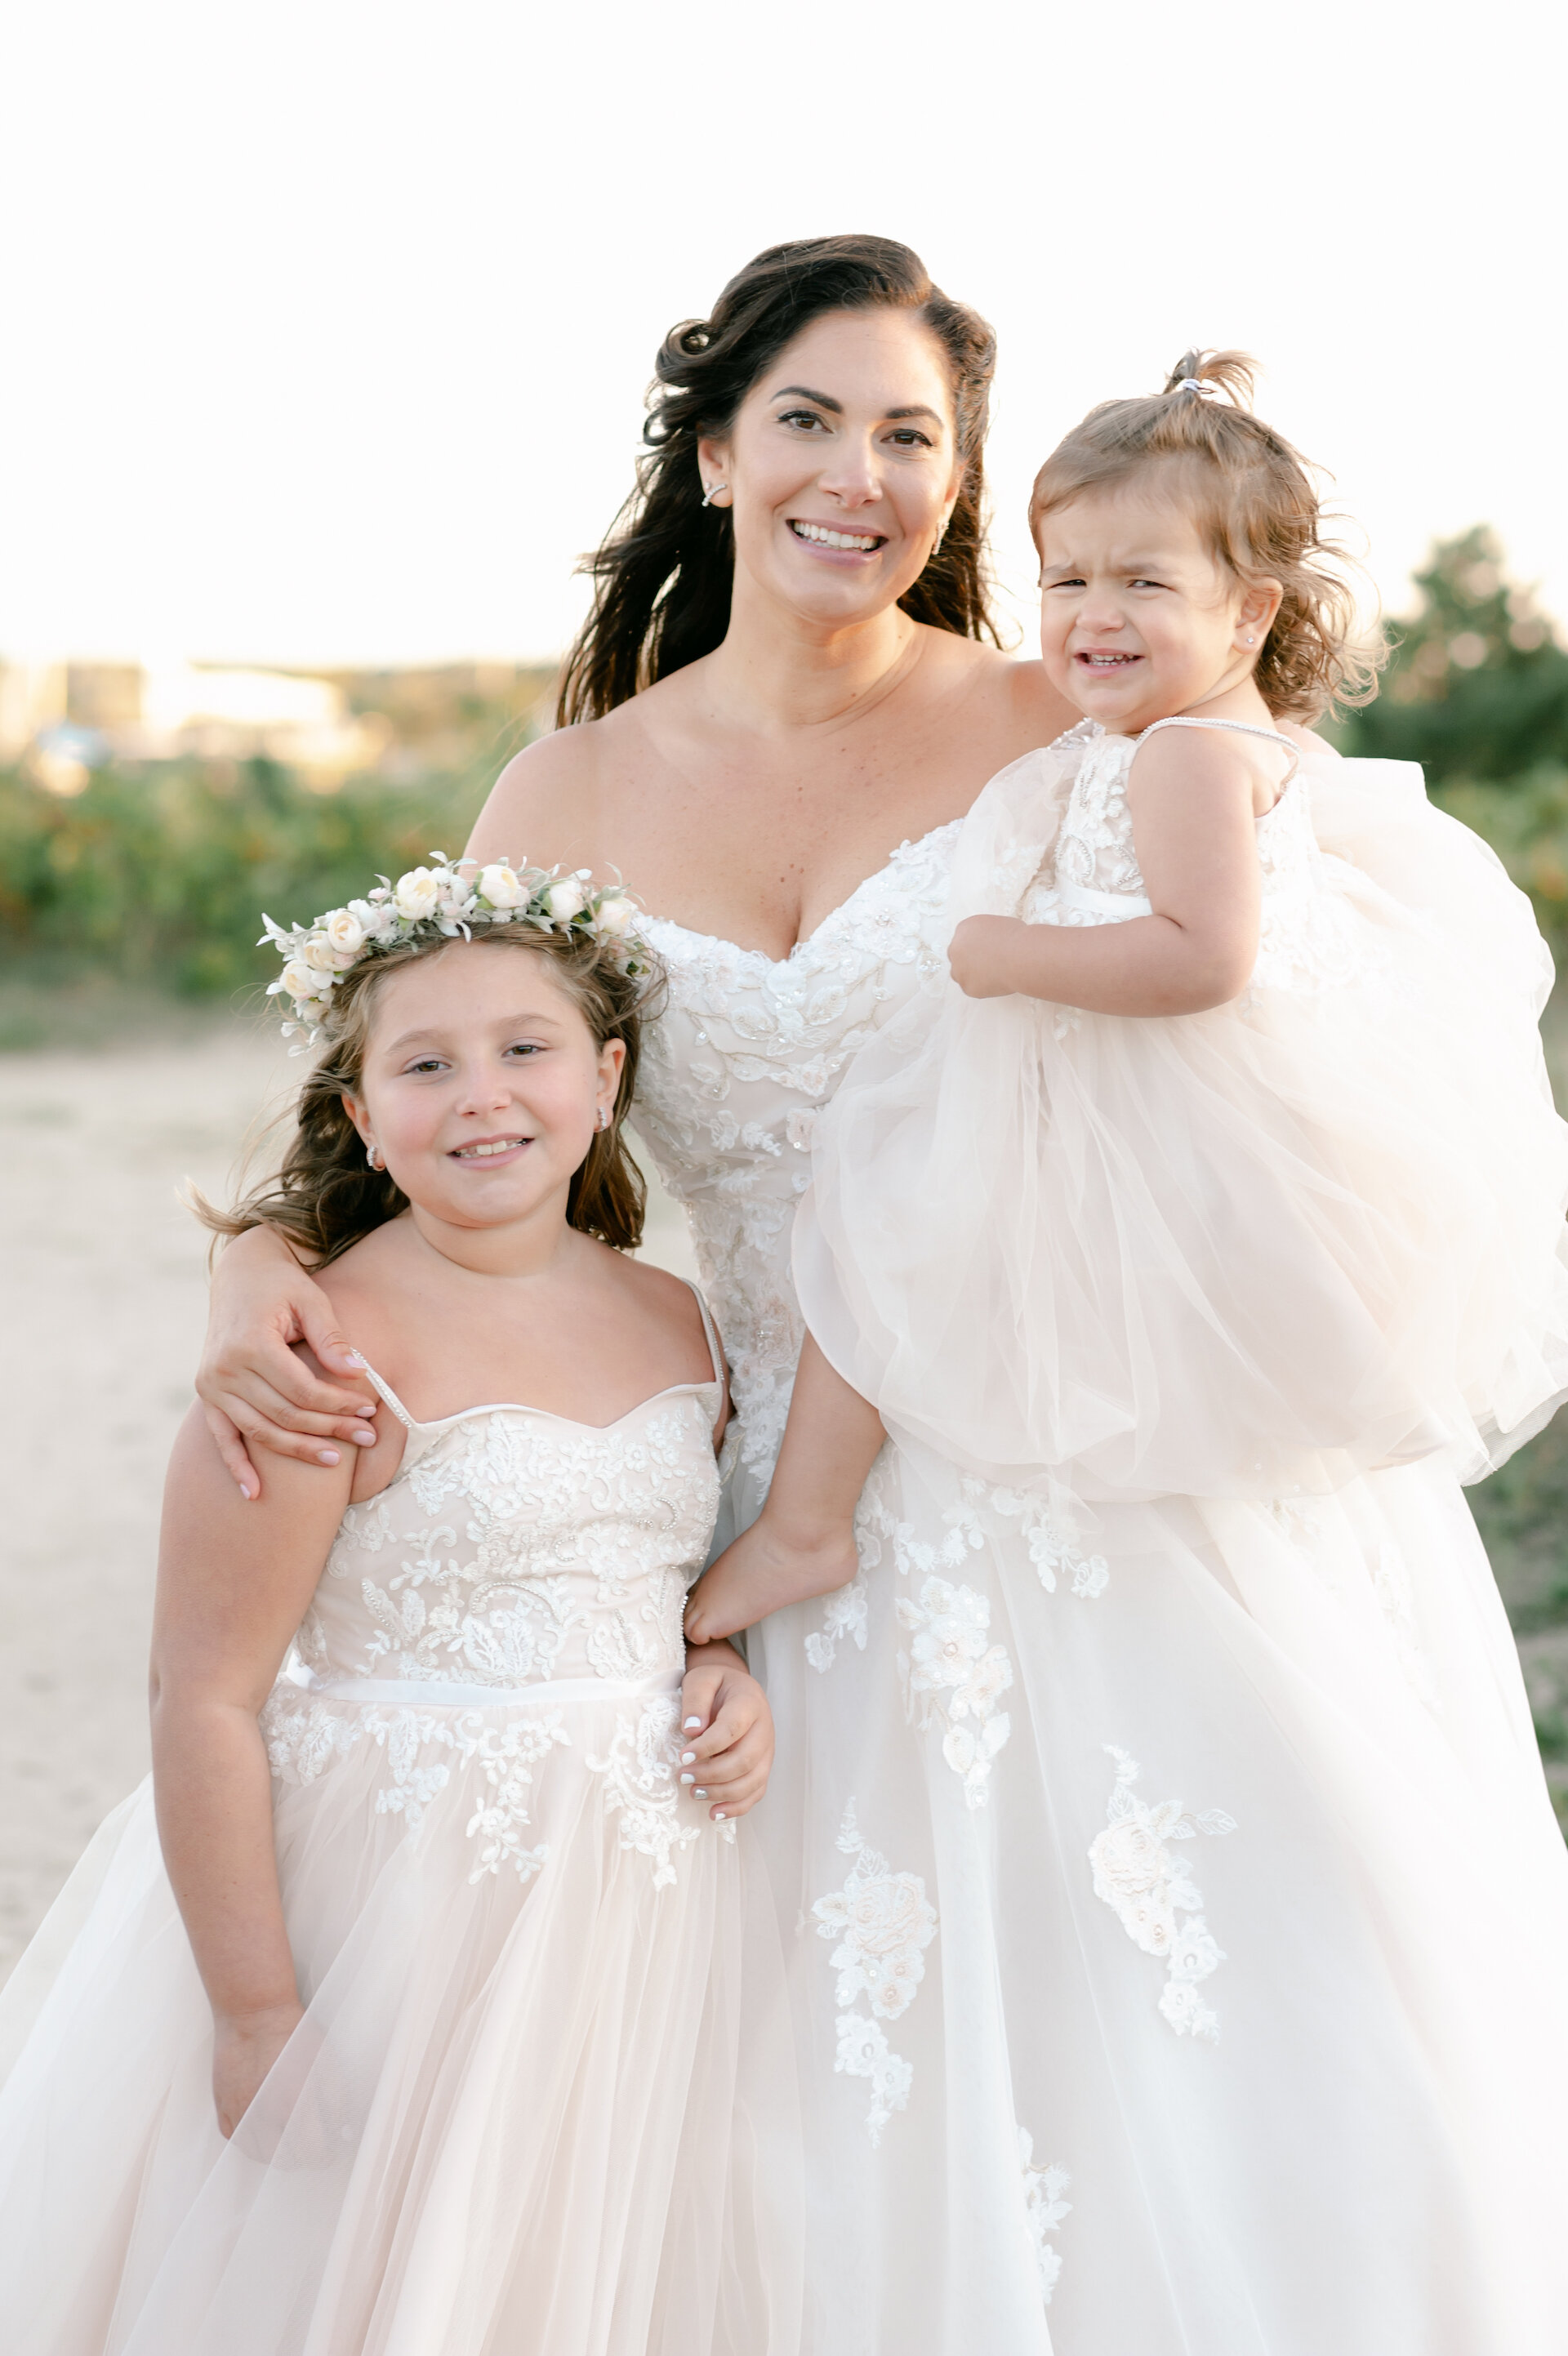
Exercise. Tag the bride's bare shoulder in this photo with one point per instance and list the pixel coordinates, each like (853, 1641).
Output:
(546, 804)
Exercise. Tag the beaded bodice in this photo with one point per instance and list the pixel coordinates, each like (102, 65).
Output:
(748, 1049)
(513, 1547)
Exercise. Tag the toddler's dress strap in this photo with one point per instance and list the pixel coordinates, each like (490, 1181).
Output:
(711, 1333)
(1237, 727)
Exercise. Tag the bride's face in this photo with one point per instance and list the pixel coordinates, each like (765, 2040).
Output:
(841, 467)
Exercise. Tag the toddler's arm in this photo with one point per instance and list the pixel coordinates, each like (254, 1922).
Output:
(234, 1580)
(1195, 799)
(802, 1543)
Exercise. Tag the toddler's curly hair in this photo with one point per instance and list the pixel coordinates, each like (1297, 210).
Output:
(1253, 500)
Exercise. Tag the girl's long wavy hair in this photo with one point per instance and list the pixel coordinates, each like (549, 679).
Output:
(663, 576)
(326, 1196)
(1255, 504)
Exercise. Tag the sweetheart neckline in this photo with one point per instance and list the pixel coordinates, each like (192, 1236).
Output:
(520, 1406)
(722, 940)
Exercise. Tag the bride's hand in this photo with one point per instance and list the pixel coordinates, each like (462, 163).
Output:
(245, 2049)
(767, 1567)
(257, 1392)
(981, 955)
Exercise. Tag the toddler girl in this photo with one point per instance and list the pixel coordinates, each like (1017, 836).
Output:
(435, 2012)
(1190, 1245)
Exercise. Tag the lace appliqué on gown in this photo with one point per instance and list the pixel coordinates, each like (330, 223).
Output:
(1044, 2209)
(732, 1073)
(1154, 1896)
(884, 1922)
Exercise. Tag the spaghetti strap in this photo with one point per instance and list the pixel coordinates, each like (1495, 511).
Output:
(711, 1333)
(390, 1395)
(1237, 727)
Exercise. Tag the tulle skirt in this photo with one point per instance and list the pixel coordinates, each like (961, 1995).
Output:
(1249, 1252)
(538, 2105)
(1178, 1931)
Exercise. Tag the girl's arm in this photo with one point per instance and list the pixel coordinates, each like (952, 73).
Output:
(234, 1583)
(802, 1543)
(258, 1393)
(1195, 801)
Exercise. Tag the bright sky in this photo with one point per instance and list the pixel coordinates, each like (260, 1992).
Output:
(330, 321)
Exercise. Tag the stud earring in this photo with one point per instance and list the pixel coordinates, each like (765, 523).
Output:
(373, 1155)
(1250, 640)
(710, 494)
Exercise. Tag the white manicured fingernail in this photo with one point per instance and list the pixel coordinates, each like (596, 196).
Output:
(720, 1815)
(687, 1757)
(689, 1725)
(688, 1778)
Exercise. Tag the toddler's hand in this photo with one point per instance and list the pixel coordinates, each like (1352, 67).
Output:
(764, 1570)
(726, 1735)
(981, 955)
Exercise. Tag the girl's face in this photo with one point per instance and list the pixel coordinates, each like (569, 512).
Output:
(1138, 618)
(482, 1085)
(842, 466)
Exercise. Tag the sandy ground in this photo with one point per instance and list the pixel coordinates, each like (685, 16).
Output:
(103, 1277)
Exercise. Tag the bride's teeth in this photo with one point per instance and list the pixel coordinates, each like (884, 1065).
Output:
(859, 539)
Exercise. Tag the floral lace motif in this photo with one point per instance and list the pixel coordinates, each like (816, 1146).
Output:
(642, 1789)
(952, 1677)
(1154, 1896)
(1306, 939)
(423, 1747)
(514, 1550)
(884, 1922)
(746, 1051)
(1044, 2209)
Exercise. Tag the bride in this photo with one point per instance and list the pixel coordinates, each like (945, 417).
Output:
(785, 709)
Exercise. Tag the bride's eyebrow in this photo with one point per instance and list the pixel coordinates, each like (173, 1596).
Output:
(804, 392)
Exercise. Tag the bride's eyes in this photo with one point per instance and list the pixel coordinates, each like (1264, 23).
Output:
(802, 417)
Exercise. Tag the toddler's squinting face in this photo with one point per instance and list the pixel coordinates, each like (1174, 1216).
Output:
(1138, 619)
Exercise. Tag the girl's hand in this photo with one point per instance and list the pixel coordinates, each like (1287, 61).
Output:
(256, 1390)
(981, 955)
(244, 2048)
(726, 1733)
(768, 1567)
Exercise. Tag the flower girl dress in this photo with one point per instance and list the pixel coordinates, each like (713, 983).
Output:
(1194, 1940)
(543, 2099)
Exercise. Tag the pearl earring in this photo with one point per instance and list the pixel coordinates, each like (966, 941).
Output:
(710, 494)
(1249, 638)
(372, 1155)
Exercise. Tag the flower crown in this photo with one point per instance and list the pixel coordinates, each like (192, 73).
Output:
(437, 902)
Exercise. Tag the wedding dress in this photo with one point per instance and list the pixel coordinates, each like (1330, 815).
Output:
(542, 2098)
(1174, 1911)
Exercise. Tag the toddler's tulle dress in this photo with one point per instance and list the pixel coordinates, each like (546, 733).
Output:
(1174, 1692)
(542, 2100)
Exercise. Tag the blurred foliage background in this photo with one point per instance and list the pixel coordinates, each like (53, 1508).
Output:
(132, 878)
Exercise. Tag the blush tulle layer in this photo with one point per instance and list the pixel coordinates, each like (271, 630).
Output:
(530, 2115)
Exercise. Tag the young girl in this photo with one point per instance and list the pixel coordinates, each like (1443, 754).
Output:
(1189, 1245)
(445, 1825)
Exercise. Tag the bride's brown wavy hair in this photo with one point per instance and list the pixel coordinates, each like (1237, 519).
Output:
(1255, 503)
(663, 575)
(326, 1196)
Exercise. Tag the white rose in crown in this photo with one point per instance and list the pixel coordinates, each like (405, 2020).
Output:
(317, 952)
(345, 936)
(615, 915)
(565, 900)
(305, 982)
(499, 884)
(416, 895)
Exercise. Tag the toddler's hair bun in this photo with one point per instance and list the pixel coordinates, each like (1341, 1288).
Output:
(1198, 372)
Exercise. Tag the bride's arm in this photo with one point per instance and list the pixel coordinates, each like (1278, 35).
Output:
(233, 1584)
(257, 1391)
